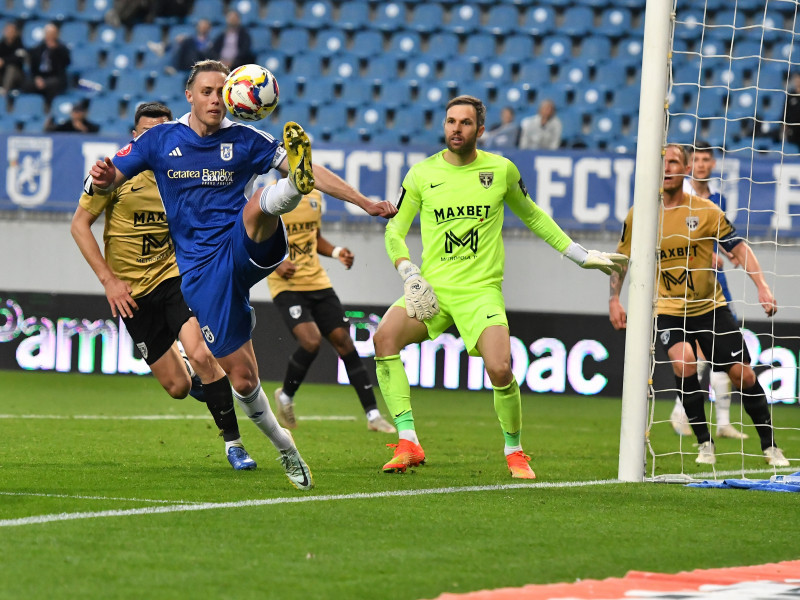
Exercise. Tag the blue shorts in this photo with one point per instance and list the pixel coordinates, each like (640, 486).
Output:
(219, 292)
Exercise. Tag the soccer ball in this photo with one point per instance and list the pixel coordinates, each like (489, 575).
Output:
(250, 92)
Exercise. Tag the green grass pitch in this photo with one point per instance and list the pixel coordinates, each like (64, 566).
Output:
(391, 543)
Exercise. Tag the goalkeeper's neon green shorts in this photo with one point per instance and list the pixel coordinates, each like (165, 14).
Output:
(471, 311)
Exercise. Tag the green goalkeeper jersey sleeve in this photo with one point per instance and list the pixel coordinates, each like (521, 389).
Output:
(461, 219)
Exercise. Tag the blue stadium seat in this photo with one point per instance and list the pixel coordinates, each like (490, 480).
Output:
(356, 92)
(393, 94)
(31, 123)
(607, 125)
(534, 72)
(33, 32)
(479, 47)
(212, 10)
(61, 10)
(629, 52)
(94, 80)
(105, 108)
(731, 18)
(280, 14)
(61, 105)
(26, 9)
(578, 21)
(168, 88)
(457, 72)
(130, 83)
(690, 72)
(93, 11)
(593, 97)
(382, 67)
(498, 70)
(74, 33)
(371, 118)
(768, 24)
(571, 125)
(318, 91)
(345, 66)
(595, 49)
(305, 66)
(683, 130)
(409, 120)
(555, 92)
(294, 40)
(143, 33)
(615, 22)
(109, 36)
(407, 43)
(502, 19)
(443, 45)
(433, 95)
(316, 14)
(688, 24)
(122, 58)
(774, 78)
(609, 76)
(289, 88)
(625, 99)
(517, 96)
(711, 102)
(555, 49)
(330, 42)
(294, 110)
(353, 15)
(248, 12)
(427, 17)
(742, 104)
(389, 16)
(421, 68)
(331, 118)
(539, 20)
(367, 43)
(519, 47)
(464, 19)
(381, 137)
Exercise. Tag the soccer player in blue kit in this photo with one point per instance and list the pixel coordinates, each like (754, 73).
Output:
(204, 165)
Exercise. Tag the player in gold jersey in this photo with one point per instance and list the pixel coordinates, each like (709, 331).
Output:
(143, 286)
(691, 308)
(302, 292)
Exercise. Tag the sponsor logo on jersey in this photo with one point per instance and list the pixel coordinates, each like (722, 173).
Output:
(295, 311)
(207, 176)
(486, 179)
(296, 250)
(125, 151)
(452, 240)
(471, 211)
(29, 174)
(226, 151)
(148, 218)
(208, 334)
(684, 278)
(692, 223)
(143, 349)
(152, 242)
(679, 252)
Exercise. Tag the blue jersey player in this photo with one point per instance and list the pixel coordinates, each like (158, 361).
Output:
(225, 241)
(701, 184)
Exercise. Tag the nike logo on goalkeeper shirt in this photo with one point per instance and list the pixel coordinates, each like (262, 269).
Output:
(433, 185)
(133, 189)
(490, 316)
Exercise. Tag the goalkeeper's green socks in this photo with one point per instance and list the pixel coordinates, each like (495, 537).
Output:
(396, 392)
(508, 406)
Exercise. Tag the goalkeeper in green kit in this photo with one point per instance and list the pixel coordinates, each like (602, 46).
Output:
(460, 195)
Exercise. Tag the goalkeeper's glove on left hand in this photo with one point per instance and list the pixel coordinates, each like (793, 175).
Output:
(421, 302)
(607, 262)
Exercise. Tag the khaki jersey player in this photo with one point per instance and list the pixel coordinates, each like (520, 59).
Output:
(302, 226)
(138, 246)
(687, 283)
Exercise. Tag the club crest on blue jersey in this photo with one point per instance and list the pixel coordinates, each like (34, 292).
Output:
(486, 179)
(692, 223)
(226, 151)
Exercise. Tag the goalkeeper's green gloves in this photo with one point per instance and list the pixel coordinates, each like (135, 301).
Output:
(421, 302)
(607, 262)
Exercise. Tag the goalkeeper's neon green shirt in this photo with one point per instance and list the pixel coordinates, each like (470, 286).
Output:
(461, 219)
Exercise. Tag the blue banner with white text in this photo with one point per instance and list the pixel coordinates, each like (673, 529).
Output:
(581, 189)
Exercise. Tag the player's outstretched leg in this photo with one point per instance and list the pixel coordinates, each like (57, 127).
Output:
(296, 468)
(298, 150)
(196, 390)
(396, 391)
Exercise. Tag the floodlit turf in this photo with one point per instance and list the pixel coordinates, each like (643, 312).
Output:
(395, 547)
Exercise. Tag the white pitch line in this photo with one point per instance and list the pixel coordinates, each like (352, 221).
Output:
(153, 510)
(79, 497)
(161, 417)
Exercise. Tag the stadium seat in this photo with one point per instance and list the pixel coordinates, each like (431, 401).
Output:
(593, 97)
(688, 24)
(94, 80)
(316, 14)
(248, 12)
(382, 67)
(330, 42)
(31, 123)
(625, 99)
(518, 47)
(26, 9)
(345, 66)
(557, 93)
(385, 138)
(556, 48)
(609, 76)
(356, 92)
(443, 45)
(289, 88)
(105, 108)
(571, 125)
(390, 17)
(409, 119)
(280, 14)
(75, 33)
(539, 20)
(353, 15)
(212, 10)
(305, 66)
(615, 22)
(497, 71)
(534, 72)
(456, 72)
(711, 102)
(683, 130)
(464, 19)
(367, 44)
(406, 43)
(294, 41)
(773, 78)
(61, 10)
(393, 94)
(331, 117)
(502, 19)
(318, 91)
(577, 22)
(479, 47)
(33, 32)
(168, 88)
(427, 17)
(629, 52)
(144, 33)
(109, 36)
(294, 110)
(517, 96)
(275, 61)
(130, 83)
(122, 58)
(433, 95)
(421, 68)
(371, 118)
(742, 104)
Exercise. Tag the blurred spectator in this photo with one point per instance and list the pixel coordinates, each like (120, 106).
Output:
(234, 46)
(130, 12)
(792, 111)
(542, 130)
(175, 8)
(12, 59)
(49, 61)
(191, 49)
(503, 135)
(77, 122)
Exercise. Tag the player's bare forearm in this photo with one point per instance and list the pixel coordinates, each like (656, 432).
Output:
(745, 255)
(615, 282)
(105, 176)
(330, 183)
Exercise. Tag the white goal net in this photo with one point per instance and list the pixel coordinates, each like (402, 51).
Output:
(731, 99)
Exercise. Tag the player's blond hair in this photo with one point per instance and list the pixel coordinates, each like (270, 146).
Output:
(682, 150)
(204, 66)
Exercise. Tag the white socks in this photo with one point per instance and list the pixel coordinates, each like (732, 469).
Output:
(256, 407)
(410, 435)
(284, 398)
(280, 198)
(721, 384)
(511, 449)
(373, 414)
